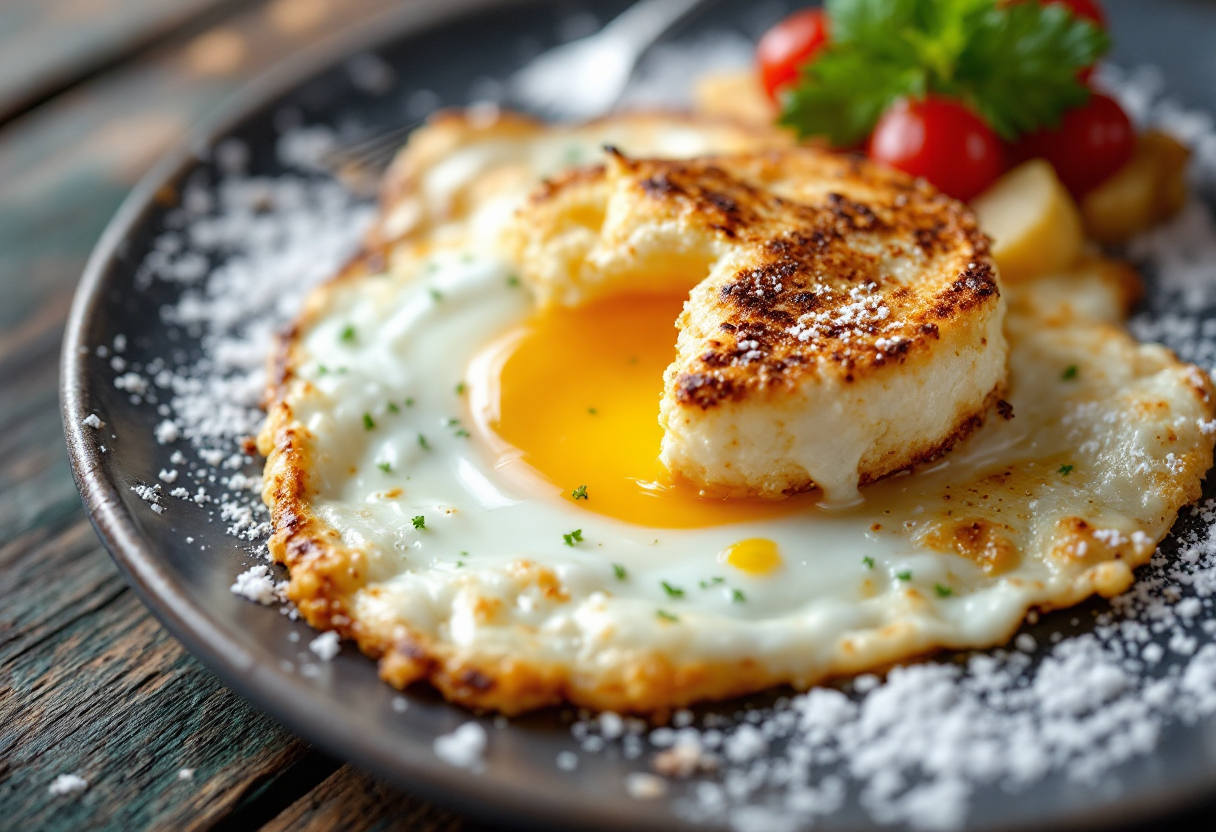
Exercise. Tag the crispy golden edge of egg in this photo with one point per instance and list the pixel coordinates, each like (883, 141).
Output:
(326, 575)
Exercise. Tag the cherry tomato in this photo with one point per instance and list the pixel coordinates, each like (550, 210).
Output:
(789, 45)
(941, 140)
(1092, 142)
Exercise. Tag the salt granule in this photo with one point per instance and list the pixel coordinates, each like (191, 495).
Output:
(463, 747)
(66, 784)
(326, 646)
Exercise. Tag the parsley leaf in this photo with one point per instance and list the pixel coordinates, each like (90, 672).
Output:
(386, 467)
(1019, 68)
(868, 562)
(1070, 373)
(666, 616)
(737, 596)
(419, 522)
(619, 571)
(368, 421)
(579, 493)
(672, 591)
(1014, 63)
(1065, 470)
(942, 590)
(906, 575)
(575, 536)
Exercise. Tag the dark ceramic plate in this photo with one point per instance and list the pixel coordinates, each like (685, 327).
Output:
(446, 47)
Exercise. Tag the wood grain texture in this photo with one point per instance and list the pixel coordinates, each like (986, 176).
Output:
(89, 682)
(350, 796)
(45, 45)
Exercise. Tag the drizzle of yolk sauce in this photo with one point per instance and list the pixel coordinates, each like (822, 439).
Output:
(754, 556)
(574, 394)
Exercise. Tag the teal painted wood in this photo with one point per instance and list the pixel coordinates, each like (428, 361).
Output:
(46, 44)
(89, 682)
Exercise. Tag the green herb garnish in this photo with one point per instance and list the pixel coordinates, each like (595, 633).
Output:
(1070, 373)
(906, 575)
(368, 422)
(386, 467)
(672, 591)
(419, 522)
(737, 596)
(579, 493)
(422, 443)
(619, 571)
(348, 333)
(942, 591)
(868, 562)
(1015, 64)
(575, 536)
(666, 616)
(1065, 470)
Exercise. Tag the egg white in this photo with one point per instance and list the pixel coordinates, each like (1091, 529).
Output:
(490, 602)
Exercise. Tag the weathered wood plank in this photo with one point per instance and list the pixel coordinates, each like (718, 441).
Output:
(46, 45)
(89, 682)
(358, 802)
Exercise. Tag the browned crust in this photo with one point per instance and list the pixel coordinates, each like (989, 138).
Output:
(812, 229)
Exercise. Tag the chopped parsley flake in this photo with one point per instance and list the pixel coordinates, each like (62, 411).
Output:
(368, 421)
(942, 591)
(714, 581)
(592, 411)
(459, 564)
(450, 422)
(348, 333)
(435, 294)
(1065, 470)
(462, 433)
(1070, 373)
(409, 402)
(460, 388)
(666, 616)
(575, 536)
(906, 575)
(426, 446)
(513, 281)
(737, 596)
(579, 493)
(419, 522)
(868, 562)
(619, 571)
(672, 591)
(392, 408)
(386, 467)
(322, 369)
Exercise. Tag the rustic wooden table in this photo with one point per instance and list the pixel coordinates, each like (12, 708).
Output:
(91, 93)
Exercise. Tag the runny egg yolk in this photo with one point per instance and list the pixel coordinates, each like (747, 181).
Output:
(573, 394)
(755, 556)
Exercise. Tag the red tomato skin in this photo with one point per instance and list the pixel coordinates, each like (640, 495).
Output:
(788, 46)
(1092, 142)
(942, 141)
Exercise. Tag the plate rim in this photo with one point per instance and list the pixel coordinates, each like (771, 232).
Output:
(297, 708)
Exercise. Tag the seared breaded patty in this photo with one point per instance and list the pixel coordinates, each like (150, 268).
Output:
(844, 320)
(476, 166)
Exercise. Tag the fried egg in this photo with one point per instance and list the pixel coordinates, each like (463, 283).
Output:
(465, 477)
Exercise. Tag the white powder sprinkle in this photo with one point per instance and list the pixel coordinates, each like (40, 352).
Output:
(257, 584)
(92, 421)
(326, 646)
(567, 761)
(400, 704)
(66, 784)
(463, 747)
(168, 431)
(185, 774)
